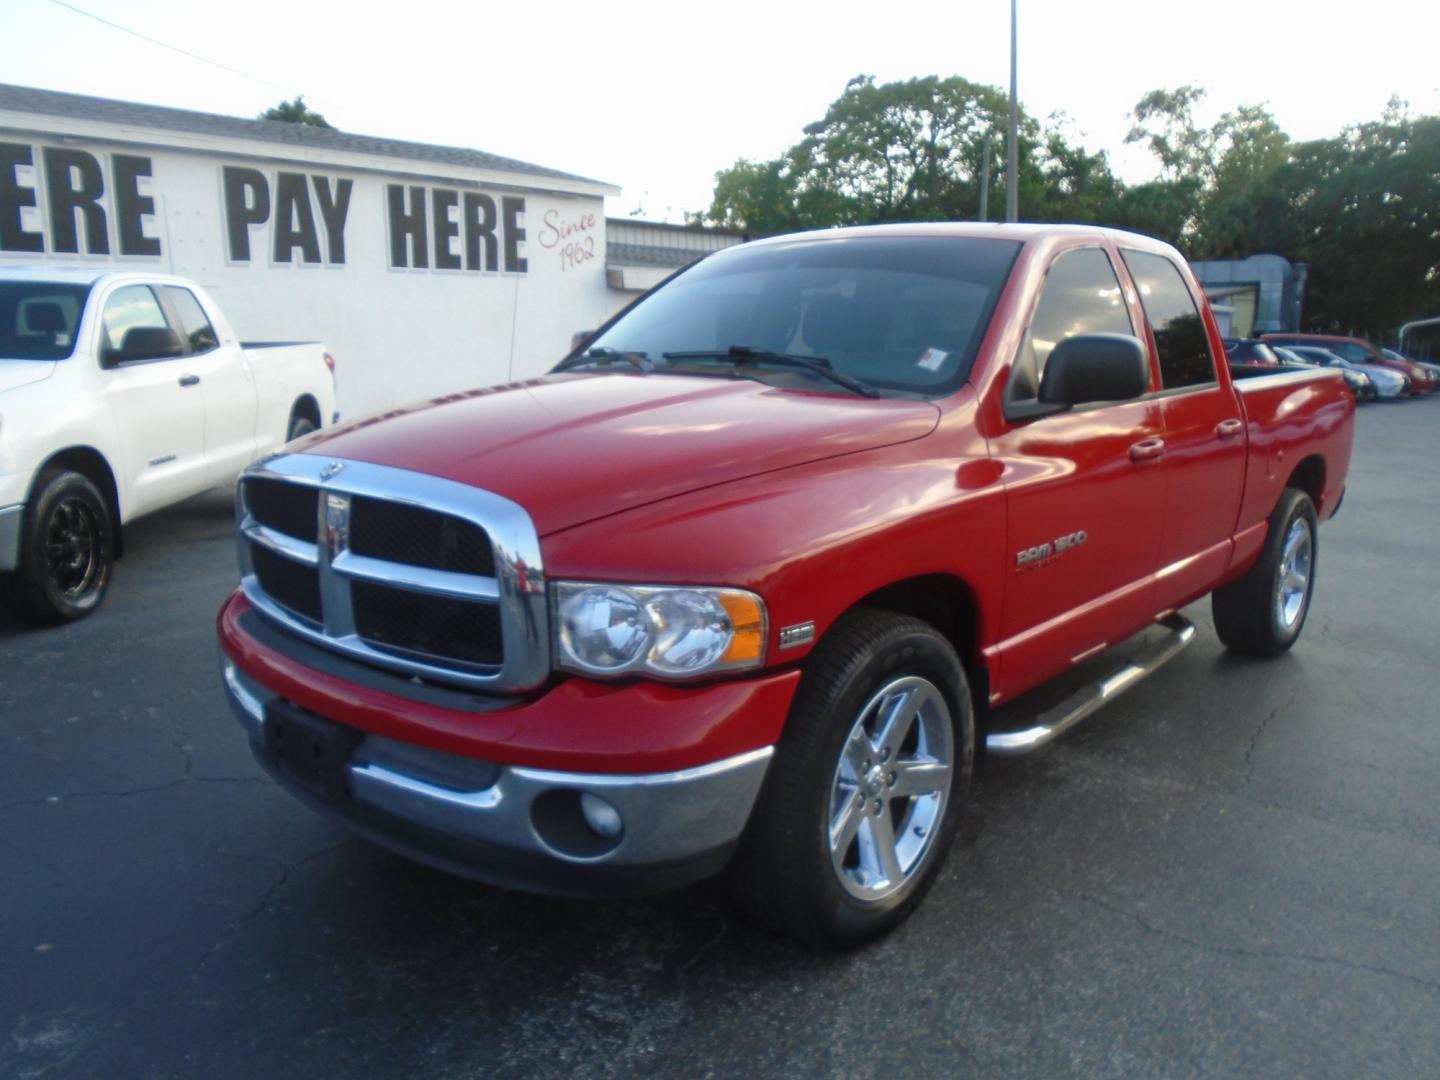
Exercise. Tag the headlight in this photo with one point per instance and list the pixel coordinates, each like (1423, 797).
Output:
(671, 632)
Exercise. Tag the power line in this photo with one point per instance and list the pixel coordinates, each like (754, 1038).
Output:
(172, 48)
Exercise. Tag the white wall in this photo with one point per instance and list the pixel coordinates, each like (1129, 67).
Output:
(397, 334)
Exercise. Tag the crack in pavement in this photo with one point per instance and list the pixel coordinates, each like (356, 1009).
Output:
(705, 947)
(232, 928)
(1189, 786)
(1325, 628)
(284, 878)
(1255, 738)
(1257, 954)
(66, 796)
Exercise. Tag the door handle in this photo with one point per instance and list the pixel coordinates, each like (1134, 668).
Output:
(1228, 429)
(189, 380)
(1147, 450)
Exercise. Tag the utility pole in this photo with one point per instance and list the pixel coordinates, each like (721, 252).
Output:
(985, 183)
(1012, 157)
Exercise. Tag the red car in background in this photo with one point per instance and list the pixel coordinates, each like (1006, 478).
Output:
(1419, 379)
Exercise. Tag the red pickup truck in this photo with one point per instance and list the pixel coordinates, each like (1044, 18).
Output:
(737, 585)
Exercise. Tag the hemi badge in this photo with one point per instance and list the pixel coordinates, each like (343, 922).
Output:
(800, 634)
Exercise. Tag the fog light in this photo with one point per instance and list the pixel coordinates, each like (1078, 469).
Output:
(600, 815)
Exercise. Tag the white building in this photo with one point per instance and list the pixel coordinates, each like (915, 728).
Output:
(426, 269)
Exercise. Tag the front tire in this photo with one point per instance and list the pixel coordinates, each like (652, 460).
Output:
(67, 551)
(1263, 612)
(866, 789)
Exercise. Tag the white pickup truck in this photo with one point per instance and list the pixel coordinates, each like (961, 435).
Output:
(120, 393)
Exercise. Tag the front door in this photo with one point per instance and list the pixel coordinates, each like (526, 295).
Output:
(1085, 491)
(156, 401)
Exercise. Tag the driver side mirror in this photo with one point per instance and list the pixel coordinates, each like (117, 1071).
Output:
(580, 337)
(1091, 368)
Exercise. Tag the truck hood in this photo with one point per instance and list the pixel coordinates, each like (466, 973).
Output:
(17, 373)
(571, 448)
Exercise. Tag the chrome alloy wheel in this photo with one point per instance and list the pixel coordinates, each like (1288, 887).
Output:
(1293, 579)
(890, 787)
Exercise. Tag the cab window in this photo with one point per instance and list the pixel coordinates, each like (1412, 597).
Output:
(1081, 295)
(133, 307)
(1180, 336)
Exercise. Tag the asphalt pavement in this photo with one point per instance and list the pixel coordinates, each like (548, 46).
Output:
(1232, 871)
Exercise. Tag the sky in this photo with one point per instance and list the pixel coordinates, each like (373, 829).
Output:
(658, 97)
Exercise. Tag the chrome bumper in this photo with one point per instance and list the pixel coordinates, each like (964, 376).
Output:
(528, 827)
(10, 517)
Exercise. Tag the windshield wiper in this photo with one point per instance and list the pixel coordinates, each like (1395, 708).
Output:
(746, 355)
(603, 355)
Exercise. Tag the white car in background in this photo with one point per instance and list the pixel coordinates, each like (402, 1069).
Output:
(1388, 383)
(121, 393)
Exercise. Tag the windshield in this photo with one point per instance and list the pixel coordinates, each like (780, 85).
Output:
(1356, 354)
(38, 319)
(1253, 352)
(904, 314)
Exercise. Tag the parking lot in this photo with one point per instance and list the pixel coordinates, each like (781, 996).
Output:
(1231, 871)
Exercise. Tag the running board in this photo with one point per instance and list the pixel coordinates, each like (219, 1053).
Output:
(1087, 699)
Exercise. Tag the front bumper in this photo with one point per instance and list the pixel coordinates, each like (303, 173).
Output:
(520, 823)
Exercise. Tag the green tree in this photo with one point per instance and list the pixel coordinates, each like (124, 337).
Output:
(910, 151)
(755, 195)
(1243, 209)
(294, 112)
(1165, 122)
(1367, 219)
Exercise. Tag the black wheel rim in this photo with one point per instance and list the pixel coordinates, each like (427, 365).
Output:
(73, 560)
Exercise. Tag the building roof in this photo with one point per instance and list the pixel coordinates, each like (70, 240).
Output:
(650, 255)
(82, 107)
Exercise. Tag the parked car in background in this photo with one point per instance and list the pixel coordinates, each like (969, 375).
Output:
(1430, 366)
(1250, 351)
(121, 393)
(1387, 383)
(1360, 351)
(1360, 383)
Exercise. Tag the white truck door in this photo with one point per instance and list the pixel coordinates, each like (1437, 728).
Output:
(155, 397)
(227, 384)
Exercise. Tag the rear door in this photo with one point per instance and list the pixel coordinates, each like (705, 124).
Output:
(1085, 491)
(226, 383)
(1204, 433)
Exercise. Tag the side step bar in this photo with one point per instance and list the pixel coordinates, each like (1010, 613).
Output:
(1087, 699)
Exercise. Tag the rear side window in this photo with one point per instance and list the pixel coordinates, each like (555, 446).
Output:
(195, 328)
(1081, 295)
(1179, 331)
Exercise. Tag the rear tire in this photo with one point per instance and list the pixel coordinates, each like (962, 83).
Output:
(1262, 613)
(67, 550)
(865, 792)
(300, 426)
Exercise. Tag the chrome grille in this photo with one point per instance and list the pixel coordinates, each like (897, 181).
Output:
(290, 583)
(286, 508)
(415, 624)
(401, 569)
(418, 537)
